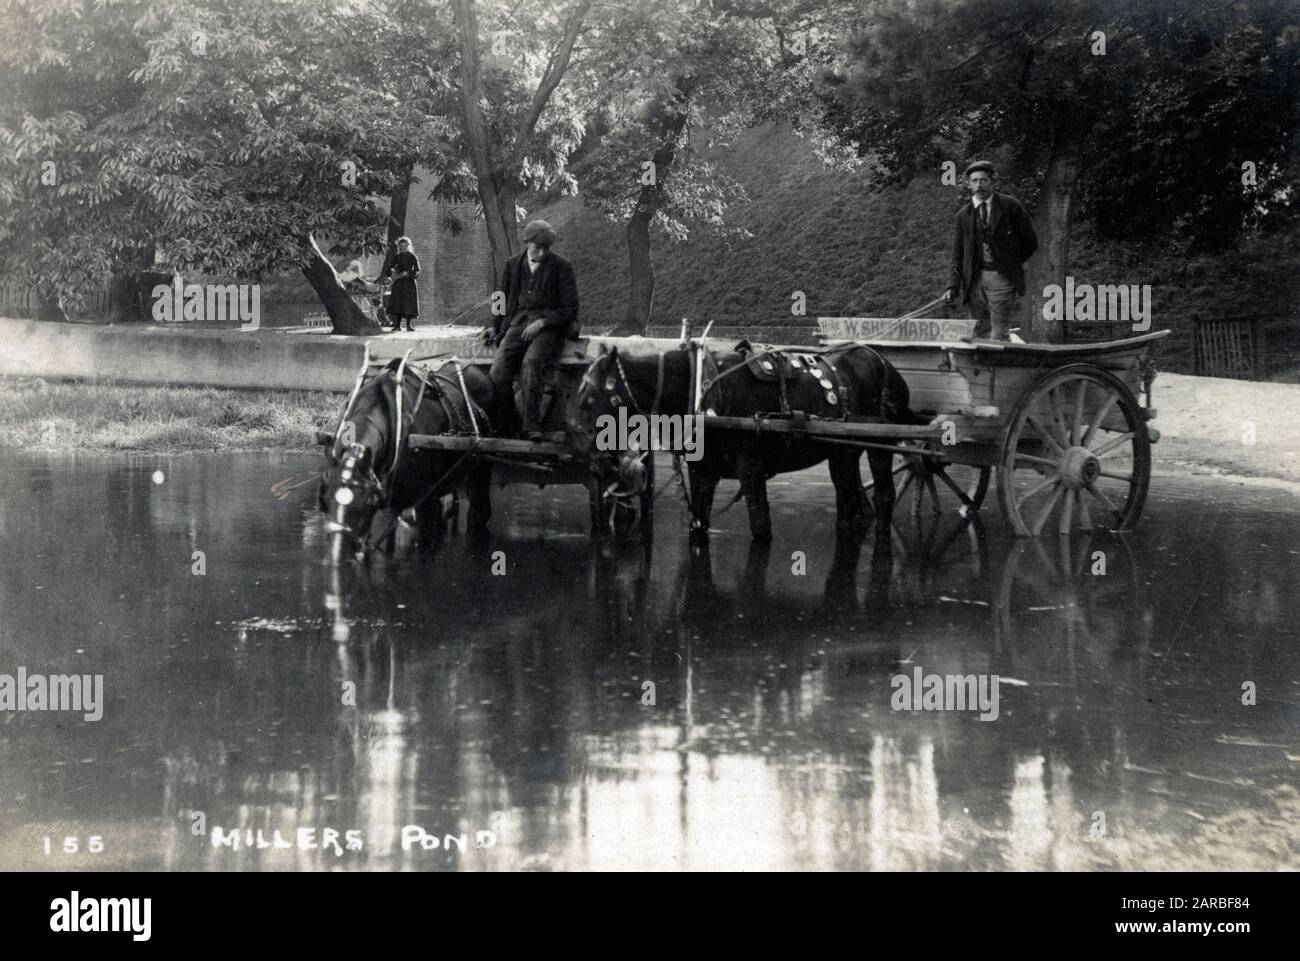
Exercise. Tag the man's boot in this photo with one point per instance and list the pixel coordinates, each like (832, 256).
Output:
(532, 421)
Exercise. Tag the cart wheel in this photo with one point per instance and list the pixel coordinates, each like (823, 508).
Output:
(923, 479)
(1072, 428)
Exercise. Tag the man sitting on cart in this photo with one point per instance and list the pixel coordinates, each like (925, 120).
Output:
(541, 297)
(994, 237)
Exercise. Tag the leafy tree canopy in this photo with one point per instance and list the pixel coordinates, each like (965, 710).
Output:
(1162, 103)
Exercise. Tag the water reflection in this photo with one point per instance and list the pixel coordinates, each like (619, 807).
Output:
(684, 707)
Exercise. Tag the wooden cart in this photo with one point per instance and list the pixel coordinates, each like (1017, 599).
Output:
(1064, 425)
(619, 492)
(1061, 423)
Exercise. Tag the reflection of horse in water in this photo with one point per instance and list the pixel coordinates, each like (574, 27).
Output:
(370, 470)
(848, 381)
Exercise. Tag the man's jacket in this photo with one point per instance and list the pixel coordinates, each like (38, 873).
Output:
(550, 295)
(1011, 235)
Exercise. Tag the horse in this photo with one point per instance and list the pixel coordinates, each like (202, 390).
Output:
(847, 380)
(368, 467)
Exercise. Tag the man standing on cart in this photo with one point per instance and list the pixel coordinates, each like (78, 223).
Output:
(541, 313)
(994, 238)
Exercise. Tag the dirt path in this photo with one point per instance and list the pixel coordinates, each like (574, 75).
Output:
(1214, 425)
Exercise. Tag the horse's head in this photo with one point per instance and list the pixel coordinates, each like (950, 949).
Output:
(620, 464)
(350, 493)
(351, 490)
(605, 388)
(598, 393)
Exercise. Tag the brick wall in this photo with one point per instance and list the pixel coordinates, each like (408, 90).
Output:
(455, 269)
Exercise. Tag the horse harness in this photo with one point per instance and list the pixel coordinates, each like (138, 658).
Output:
(767, 363)
(622, 375)
(466, 424)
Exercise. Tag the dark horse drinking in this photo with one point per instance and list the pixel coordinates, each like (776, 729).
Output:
(838, 383)
(369, 467)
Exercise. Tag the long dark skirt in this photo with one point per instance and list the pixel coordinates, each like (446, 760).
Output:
(404, 300)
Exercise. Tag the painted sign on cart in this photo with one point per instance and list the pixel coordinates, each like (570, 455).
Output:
(922, 329)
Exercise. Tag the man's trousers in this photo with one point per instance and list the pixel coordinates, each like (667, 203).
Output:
(528, 362)
(993, 305)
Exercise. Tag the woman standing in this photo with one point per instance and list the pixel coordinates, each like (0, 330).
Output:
(404, 302)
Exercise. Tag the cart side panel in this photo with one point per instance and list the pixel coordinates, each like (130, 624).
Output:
(933, 385)
(1004, 380)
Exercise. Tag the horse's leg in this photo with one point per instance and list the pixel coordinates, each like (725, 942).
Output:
(882, 473)
(703, 484)
(390, 539)
(753, 481)
(850, 504)
(429, 523)
(753, 583)
(479, 483)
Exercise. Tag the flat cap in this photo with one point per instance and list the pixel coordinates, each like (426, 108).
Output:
(979, 165)
(539, 231)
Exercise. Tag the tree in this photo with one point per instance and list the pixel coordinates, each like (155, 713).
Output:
(1098, 106)
(510, 142)
(677, 79)
(233, 139)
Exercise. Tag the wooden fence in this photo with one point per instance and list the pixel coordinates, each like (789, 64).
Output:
(20, 302)
(1230, 347)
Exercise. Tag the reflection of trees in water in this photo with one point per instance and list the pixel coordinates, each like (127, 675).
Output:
(527, 700)
(785, 682)
(523, 694)
(1062, 635)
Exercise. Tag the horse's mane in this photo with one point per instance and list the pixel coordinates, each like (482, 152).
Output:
(374, 409)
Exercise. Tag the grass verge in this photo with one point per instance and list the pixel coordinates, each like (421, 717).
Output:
(39, 415)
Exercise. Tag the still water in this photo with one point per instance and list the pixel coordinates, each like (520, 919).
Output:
(649, 708)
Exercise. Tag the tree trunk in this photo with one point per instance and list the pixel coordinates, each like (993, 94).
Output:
(497, 175)
(671, 121)
(502, 226)
(124, 297)
(396, 221)
(397, 210)
(129, 299)
(496, 197)
(1052, 221)
(49, 306)
(344, 314)
(641, 272)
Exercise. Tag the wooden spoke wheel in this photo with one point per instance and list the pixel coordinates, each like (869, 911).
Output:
(1075, 455)
(926, 483)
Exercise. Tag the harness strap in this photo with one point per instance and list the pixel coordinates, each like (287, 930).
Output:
(352, 399)
(469, 403)
(399, 391)
(731, 370)
(447, 408)
(631, 394)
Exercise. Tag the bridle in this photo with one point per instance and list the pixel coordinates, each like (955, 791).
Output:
(366, 485)
(612, 390)
(630, 470)
(362, 483)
